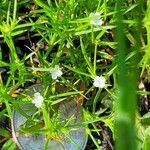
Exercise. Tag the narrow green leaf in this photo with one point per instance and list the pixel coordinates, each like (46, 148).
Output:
(4, 133)
(9, 145)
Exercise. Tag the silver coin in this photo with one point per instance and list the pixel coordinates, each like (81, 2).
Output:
(77, 137)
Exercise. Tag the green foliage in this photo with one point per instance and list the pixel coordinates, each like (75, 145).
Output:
(5, 133)
(9, 145)
(146, 143)
(3, 8)
(60, 33)
(145, 120)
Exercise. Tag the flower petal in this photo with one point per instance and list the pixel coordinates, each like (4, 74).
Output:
(99, 82)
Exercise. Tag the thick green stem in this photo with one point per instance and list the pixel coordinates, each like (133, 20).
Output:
(125, 137)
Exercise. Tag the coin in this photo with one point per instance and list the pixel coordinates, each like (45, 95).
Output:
(76, 139)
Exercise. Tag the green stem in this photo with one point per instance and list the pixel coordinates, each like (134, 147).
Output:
(125, 107)
(96, 99)
(11, 46)
(15, 10)
(95, 54)
(47, 121)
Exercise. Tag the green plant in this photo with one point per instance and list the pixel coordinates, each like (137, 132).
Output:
(97, 50)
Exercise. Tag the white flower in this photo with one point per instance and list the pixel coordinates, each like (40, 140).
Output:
(99, 81)
(95, 19)
(56, 72)
(37, 100)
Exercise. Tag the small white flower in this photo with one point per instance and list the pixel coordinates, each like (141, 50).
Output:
(99, 81)
(95, 19)
(37, 100)
(56, 72)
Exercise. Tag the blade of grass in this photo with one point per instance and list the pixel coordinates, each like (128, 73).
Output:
(125, 106)
(85, 56)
